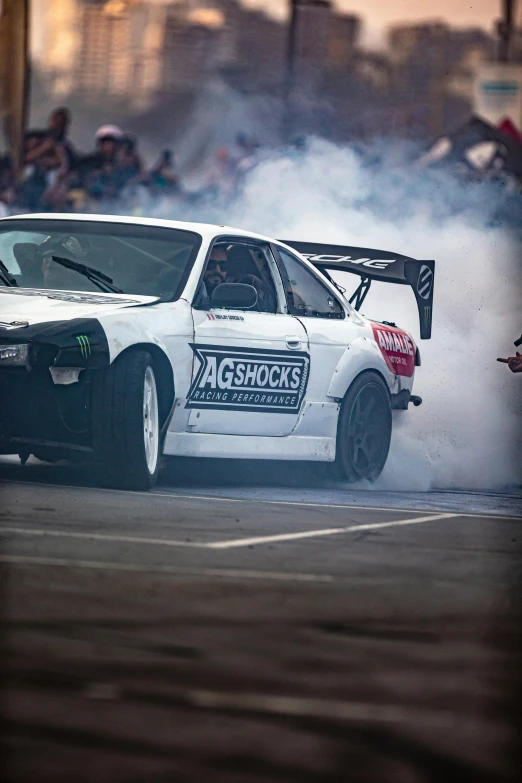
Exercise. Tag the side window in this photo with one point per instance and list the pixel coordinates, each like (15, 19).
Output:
(237, 262)
(306, 295)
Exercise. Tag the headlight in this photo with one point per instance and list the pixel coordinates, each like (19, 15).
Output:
(14, 355)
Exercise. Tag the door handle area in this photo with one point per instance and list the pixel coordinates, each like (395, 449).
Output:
(293, 342)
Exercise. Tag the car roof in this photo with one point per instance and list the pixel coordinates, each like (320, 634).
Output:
(207, 230)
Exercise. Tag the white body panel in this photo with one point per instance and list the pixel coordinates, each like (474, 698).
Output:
(238, 447)
(262, 331)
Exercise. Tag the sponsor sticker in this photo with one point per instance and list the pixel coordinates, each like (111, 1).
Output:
(373, 263)
(85, 346)
(224, 317)
(253, 379)
(425, 282)
(397, 349)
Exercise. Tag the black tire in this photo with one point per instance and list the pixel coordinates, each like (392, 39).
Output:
(364, 429)
(118, 423)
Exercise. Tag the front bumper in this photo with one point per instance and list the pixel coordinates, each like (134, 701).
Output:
(35, 410)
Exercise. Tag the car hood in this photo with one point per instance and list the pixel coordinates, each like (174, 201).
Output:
(27, 306)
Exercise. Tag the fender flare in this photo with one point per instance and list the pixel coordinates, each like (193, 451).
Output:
(362, 354)
(128, 334)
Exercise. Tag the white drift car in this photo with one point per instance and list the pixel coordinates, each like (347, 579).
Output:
(123, 339)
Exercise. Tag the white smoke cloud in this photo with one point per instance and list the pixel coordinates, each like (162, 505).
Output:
(467, 432)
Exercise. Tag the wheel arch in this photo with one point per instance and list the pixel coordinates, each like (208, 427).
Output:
(165, 376)
(368, 370)
(362, 355)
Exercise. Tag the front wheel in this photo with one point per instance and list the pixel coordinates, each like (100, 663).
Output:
(364, 429)
(125, 423)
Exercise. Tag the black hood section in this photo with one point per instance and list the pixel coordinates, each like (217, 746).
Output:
(81, 342)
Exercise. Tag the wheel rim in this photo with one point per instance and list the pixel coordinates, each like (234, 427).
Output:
(369, 432)
(150, 420)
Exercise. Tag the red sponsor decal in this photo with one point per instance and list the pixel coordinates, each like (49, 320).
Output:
(397, 348)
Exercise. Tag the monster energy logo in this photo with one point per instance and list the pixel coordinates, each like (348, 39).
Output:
(85, 346)
(427, 315)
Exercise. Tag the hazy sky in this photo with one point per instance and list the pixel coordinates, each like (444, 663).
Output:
(378, 14)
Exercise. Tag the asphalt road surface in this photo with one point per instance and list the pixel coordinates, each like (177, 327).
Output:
(255, 623)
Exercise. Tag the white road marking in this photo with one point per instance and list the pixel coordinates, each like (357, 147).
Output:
(43, 532)
(310, 707)
(173, 571)
(332, 531)
(234, 543)
(348, 506)
(252, 500)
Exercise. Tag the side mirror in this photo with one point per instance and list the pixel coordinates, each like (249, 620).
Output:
(234, 296)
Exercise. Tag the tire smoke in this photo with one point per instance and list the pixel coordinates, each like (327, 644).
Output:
(467, 432)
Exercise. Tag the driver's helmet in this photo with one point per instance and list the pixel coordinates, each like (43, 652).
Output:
(65, 245)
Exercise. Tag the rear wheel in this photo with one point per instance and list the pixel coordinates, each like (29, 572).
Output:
(126, 426)
(364, 429)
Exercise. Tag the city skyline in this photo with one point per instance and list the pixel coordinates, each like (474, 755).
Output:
(378, 15)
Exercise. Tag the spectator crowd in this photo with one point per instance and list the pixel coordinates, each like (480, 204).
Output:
(53, 176)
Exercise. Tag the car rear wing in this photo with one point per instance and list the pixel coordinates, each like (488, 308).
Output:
(376, 265)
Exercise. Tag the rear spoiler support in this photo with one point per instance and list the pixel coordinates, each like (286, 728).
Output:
(359, 295)
(376, 265)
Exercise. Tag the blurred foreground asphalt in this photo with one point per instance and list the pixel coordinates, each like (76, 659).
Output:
(221, 630)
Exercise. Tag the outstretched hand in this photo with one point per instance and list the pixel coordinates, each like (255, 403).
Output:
(513, 362)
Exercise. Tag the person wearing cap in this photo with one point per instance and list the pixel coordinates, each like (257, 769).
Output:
(100, 169)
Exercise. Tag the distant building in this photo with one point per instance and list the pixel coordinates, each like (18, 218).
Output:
(344, 35)
(253, 48)
(431, 64)
(190, 47)
(313, 40)
(57, 43)
(104, 59)
(127, 50)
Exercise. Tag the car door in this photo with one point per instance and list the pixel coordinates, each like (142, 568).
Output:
(328, 326)
(251, 368)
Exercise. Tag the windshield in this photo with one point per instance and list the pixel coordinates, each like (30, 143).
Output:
(139, 260)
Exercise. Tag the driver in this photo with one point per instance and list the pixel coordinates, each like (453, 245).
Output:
(38, 268)
(216, 271)
(55, 275)
(215, 274)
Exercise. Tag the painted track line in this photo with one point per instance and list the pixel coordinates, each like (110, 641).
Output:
(346, 506)
(234, 543)
(224, 573)
(253, 500)
(43, 533)
(332, 531)
(323, 709)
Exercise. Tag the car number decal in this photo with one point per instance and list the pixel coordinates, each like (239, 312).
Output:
(397, 349)
(253, 379)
